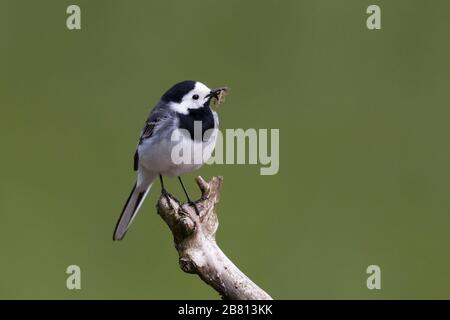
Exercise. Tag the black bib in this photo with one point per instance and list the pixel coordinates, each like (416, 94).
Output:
(203, 114)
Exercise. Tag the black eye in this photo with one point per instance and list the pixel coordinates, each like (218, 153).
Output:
(195, 97)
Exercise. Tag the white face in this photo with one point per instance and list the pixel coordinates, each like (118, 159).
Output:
(194, 99)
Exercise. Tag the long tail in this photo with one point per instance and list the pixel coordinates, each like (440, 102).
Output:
(131, 209)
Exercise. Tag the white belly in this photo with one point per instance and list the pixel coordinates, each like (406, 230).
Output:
(175, 158)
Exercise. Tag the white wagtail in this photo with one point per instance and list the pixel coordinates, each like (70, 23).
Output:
(183, 106)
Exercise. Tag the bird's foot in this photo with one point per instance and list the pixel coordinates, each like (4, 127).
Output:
(167, 196)
(191, 203)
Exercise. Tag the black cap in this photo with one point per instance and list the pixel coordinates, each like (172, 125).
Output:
(178, 91)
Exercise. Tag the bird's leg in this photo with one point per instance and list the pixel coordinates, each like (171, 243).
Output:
(188, 198)
(164, 191)
(184, 189)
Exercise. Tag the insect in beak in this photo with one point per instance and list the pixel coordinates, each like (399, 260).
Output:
(218, 94)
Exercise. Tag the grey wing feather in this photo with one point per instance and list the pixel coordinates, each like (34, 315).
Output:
(160, 111)
(147, 132)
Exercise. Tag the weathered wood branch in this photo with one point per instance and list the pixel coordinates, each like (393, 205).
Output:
(194, 237)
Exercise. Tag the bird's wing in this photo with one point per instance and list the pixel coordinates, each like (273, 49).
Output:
(156, 117)
(147, 132)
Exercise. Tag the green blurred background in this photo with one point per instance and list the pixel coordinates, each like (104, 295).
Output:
(364, 140)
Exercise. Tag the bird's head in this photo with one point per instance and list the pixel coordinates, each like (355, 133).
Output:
(190, 94)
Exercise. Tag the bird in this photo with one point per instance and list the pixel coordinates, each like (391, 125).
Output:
(179, 112)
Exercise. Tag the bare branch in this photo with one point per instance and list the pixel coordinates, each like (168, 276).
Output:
(195, 240)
